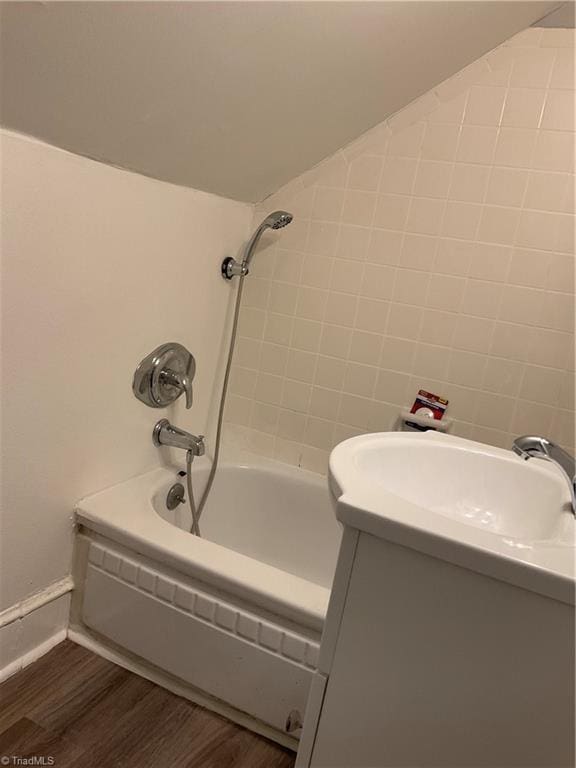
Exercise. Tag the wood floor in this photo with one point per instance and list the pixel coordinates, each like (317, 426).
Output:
(82, 710)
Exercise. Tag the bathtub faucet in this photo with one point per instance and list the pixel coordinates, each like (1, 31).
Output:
(165, 433)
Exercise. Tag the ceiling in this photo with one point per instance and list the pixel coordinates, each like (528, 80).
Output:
(234, 98)
(564, 17)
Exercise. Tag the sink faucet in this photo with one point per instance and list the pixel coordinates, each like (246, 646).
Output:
(533, 446)
(167, 434)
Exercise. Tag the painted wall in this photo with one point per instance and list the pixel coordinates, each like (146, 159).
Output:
(437, 251)
(99, 267)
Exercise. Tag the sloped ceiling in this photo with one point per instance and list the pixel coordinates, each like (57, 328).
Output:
(564, 17)
(234, 98)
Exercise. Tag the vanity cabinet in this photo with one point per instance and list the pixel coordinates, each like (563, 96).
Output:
(427, 663)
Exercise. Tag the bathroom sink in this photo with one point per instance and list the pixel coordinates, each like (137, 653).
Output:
(461, 500)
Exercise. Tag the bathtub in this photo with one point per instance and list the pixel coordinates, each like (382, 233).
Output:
(234, 617)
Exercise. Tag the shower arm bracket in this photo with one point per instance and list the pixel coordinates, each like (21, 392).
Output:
(231, 268)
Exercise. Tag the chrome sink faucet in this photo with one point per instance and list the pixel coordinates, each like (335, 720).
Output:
(165, 433)
(533, 446)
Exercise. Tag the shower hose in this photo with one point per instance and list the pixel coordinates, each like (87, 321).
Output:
(196, 511)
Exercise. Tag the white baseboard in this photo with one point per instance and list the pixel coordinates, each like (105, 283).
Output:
(28, 658)
(37, 600)
(31, 628)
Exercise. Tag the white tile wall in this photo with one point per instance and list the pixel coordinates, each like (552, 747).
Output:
(436, 251)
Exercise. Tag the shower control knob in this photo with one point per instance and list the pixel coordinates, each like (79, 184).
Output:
(164, 375)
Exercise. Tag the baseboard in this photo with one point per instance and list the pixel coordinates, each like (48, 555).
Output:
(31, 656)
(33, 627)
(39, 599)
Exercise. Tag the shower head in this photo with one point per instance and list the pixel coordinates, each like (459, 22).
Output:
(275, 220)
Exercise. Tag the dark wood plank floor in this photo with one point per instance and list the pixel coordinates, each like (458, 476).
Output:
(82, 710)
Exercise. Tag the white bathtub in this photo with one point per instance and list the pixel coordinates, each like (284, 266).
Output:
(236, 614)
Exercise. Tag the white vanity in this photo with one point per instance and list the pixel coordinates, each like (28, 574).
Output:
(449, 640)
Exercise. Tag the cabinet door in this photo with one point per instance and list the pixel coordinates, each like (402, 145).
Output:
(436, 665)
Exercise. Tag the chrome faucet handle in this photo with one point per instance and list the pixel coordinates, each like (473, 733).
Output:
(180, 380)
(164, 375)
(187, 387)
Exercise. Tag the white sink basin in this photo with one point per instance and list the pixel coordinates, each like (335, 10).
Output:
(453, 497)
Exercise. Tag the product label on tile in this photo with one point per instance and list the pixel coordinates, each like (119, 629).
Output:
(428, 404)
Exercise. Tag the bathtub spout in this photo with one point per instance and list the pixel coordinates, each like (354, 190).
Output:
(165, 433)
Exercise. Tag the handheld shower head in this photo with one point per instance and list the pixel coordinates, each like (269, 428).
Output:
(276, 220)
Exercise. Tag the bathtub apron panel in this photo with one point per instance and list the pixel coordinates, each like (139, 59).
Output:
(255, 666)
